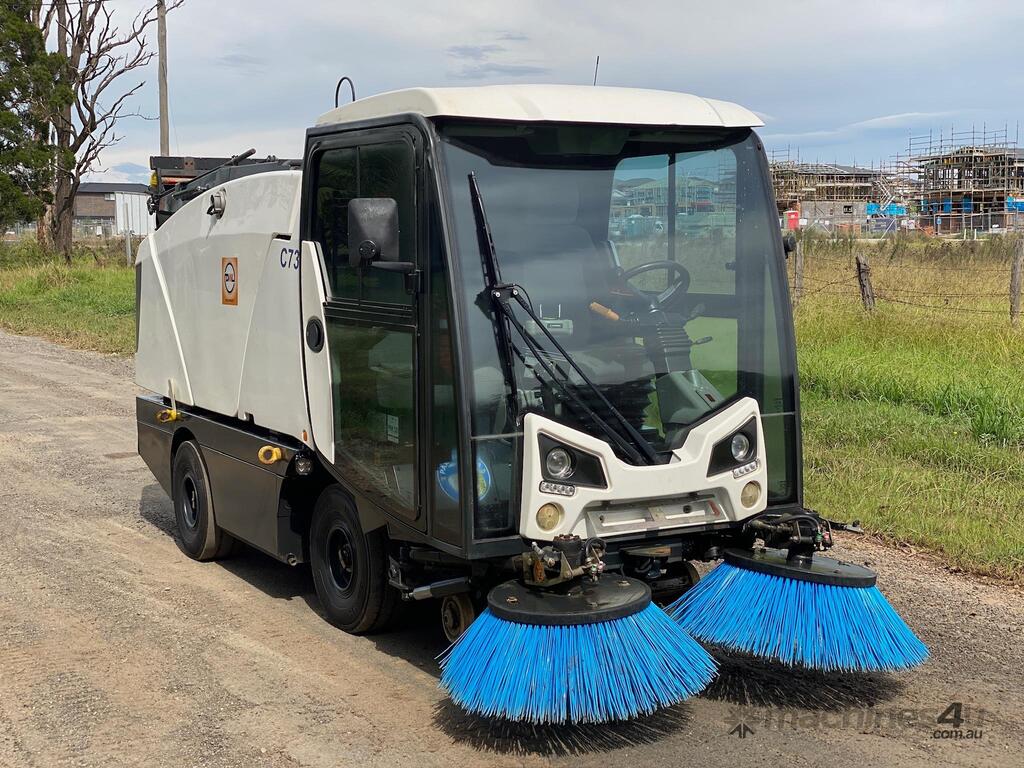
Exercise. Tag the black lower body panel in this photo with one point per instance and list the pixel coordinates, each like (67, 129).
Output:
(247, 495)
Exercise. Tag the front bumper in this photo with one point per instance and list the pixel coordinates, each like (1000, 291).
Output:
(644, 501)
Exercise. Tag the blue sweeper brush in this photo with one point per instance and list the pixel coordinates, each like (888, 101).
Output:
(798, 608)
(569, 644)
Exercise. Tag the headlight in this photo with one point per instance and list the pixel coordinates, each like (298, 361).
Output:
(559, 463)
(562, 464)
(734, 450)
(740, 446)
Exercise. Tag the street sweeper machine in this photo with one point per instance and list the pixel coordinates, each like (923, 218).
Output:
(525, 351)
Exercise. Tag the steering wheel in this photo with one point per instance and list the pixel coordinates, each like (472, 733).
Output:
(679, 281)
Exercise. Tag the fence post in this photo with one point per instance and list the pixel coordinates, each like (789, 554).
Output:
(798, 272)
(867, 293)
(127, 236)
(1015, 280)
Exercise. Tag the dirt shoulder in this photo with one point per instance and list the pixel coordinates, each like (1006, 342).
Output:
(116, 649)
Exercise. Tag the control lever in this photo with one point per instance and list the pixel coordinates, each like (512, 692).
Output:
(697, 310)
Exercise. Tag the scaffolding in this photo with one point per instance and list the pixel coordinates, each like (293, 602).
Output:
(966, 181)
(833, 196)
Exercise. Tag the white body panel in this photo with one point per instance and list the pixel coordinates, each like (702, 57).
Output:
(317, 364)
(556, 103)
(646, 485)
(241, 359)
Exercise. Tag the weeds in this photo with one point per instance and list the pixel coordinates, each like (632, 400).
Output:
(85, 304)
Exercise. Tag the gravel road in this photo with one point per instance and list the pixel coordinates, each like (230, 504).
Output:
(116, 649)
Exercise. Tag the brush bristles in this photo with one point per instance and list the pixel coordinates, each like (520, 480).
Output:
(820, 626)
(590, 673)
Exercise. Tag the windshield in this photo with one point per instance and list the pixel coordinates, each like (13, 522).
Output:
(650, 256)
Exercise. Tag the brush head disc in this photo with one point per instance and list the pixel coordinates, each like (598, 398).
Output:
(817, 569)
(580, 602)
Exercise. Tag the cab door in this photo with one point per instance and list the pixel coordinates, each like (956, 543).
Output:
(369, 344)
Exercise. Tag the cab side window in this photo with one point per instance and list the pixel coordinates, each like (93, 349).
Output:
(372, 170)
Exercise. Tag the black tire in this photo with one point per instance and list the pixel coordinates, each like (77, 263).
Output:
(350, 568)
(198, 534)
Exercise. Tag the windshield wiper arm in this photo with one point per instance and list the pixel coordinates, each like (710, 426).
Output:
(493, 274)
(630, 441)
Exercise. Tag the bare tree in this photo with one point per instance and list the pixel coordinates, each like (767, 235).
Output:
(98, 55)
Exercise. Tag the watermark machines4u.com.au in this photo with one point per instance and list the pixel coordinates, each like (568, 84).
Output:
(951, 721)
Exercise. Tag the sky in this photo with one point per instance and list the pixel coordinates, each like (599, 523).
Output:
(832, 81)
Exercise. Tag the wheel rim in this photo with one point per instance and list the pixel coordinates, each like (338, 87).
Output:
(454, 618)
(190, 503)
(341, 558)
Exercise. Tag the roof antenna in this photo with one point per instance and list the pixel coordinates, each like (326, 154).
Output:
(597, 65)
(337, 89)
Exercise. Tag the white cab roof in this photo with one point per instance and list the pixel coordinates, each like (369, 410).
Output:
(554, 103)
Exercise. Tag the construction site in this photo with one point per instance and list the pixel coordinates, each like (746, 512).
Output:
(962, 183)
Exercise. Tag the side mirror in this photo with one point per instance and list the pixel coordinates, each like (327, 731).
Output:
(789, 243)
(372, 231)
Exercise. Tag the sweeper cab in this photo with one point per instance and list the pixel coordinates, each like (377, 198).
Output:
(515, 348)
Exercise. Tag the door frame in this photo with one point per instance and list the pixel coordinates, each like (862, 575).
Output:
(380, 314)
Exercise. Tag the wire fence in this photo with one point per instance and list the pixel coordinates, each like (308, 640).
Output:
(933, 279)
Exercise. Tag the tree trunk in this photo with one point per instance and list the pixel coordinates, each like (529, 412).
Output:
(43, 230)
(62, 215)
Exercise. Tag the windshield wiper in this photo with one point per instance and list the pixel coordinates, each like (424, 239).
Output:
(501, 295)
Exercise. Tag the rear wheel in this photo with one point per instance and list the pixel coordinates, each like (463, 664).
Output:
(350, 568)
(198, 534)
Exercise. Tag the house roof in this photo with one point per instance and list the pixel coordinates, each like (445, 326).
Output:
(104, 187)
(553, 103)
(826, 169)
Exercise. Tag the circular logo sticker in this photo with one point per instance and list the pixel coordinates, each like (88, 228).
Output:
(448, 478)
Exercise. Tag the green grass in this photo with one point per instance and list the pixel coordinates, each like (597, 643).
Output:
(917, 479)
(85, 305)
(914, 418)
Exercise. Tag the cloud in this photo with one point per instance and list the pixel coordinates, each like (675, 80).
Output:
(859, 99)
(122, 172)
(485, 60)
(496, 69)
(240, 60)
(859, 127)
(473, 52)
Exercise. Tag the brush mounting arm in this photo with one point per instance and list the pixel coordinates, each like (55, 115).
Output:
(566, 559)
(801, 533)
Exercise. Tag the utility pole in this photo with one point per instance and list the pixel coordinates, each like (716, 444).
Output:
(161, 36)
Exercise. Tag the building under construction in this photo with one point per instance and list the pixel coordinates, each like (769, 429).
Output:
(833, 196)
(967, 181)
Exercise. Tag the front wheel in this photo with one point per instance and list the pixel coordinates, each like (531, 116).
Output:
(350, 568)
